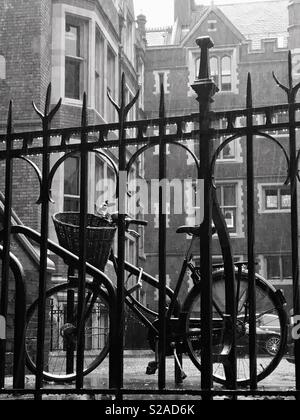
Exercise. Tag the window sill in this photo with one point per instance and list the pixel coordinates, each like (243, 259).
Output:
(72, 102)
(99, 115)
(283, 282)
(274, 212)
(228, 161)
(226, 92)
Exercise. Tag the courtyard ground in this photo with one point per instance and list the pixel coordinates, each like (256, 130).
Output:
(283, 379)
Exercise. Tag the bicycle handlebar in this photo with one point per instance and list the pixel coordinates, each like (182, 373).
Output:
(129, 221)
(136, 222)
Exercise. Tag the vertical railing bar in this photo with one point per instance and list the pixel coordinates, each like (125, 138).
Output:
(120, 316)
(6, 240)
(251, 239)
(19, 332)
(70, 319)
(44, 247)
(82, 248)
(162, 245)
(51, 323)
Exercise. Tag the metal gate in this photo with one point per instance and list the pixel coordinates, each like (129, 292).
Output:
(95, 139)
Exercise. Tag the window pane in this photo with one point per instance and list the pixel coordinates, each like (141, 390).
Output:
(226, 83)
(72, 40)
(71, 182)
(214, 70)
(71, 204)
(99, 73)
(226, 73)
(197, 67)
(272, 199)
(229, 151)
(219, 195)
(161, 77)
(111, 179)
(229, 195)
(230, 218)
(72, 85)
(111, 74)
(99, 183)
(226, 66)
(2, 68)
(287, 267)
(273, 267)
(285, 199)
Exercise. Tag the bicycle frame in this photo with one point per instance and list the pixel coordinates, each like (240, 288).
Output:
(174, 307)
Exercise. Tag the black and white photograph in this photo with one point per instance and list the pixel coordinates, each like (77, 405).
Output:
(149, 203)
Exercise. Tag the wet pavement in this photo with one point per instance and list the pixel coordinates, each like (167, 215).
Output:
(282, 379)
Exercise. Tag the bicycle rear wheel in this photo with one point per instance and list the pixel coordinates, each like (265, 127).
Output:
(61, 332)
(271, 339)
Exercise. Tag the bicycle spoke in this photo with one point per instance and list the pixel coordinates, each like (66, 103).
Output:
(64, 333)
(267, 304)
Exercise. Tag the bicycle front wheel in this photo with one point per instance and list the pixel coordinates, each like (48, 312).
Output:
(271, 328)
(61, 332)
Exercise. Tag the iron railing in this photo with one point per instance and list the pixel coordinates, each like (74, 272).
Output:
(96, 139)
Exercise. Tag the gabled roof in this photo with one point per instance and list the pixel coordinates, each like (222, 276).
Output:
(203, 14)
(252, 19)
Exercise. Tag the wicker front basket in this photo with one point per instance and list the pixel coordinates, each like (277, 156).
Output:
(100, 236)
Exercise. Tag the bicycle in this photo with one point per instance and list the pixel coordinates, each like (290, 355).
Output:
(183, 321)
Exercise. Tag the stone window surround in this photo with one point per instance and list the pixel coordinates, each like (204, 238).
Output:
(261, 198)
(262, 259)
(238, 158)
(166, 74)
(60, 12)
(239, 206)
(191, 220)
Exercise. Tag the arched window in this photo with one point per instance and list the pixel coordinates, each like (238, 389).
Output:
(214, 70)
(2, 67)
(226, 79)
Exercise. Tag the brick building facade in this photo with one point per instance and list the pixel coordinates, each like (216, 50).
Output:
(78, 46)
(248, 37)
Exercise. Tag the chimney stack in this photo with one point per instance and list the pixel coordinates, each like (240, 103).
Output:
(183, 11)
(141, 23)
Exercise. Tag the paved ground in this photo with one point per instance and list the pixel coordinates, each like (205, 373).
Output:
(282, 379)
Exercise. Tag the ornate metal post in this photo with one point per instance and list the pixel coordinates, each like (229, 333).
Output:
(205, 89)
(162, 245)
(251, 239)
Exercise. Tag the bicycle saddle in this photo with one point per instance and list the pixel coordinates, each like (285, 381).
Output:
(192, 230)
